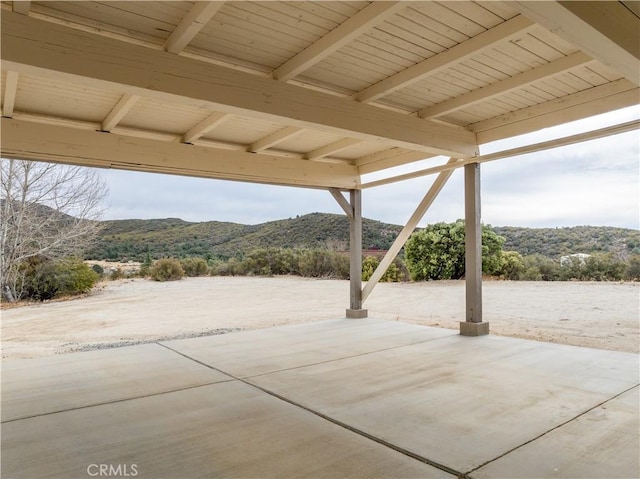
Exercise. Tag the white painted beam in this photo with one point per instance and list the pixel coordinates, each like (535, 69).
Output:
(10, 90)
(273, 139)
(607, 30)
(504, 86)
(43, 142)
(22, 6)
(191, 24)
(506, 31)
(119, 111)
(205, 126)
(594, 101)
(524, 150)
(342, 201)
(363, 20)
(390, 162)
(403, 236)
(332, 148)
(53, 51)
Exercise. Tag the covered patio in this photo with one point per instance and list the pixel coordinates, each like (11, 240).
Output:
(337, 398)
(319, 95)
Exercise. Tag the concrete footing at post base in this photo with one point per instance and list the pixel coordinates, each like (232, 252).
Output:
(357, 313)
(468, 328)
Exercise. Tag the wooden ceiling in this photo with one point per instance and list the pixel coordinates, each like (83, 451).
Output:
(302, 93)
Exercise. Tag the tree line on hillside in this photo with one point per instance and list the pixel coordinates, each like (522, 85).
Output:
(433, 253)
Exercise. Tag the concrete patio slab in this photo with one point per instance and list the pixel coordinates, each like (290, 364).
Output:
(459, 401)
(223, 430)
(267, 350)
(32, 387)
(343, 398)
(602, 443)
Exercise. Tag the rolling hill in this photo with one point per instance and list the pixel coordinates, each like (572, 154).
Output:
(131, 239)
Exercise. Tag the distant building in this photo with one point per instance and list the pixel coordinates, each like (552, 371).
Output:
(567, 260)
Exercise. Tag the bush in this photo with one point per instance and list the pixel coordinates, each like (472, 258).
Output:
(369, 265)
(633, 268)
(318, 263)
(233, 267)
(116, 274)
(271, 261)
(49, 279)
(166, 269)
(437, 252)
(194, 267)
(98, 269)
(513, 267)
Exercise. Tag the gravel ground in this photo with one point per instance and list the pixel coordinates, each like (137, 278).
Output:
(597, 315)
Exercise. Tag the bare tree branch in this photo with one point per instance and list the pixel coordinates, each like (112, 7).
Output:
(47, 210)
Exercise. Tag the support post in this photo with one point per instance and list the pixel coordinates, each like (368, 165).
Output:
(473, 326)
(355, 257)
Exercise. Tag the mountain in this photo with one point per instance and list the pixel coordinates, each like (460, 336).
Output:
(131, 239)
(556, 242)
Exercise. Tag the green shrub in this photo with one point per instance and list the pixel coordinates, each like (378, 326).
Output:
(98, 269)
(145, 267)
(633, 268)
(116, 274)
(513, 267)
(232, 267)
(194, 267)
(166, 269)
(271, 261)
(369, 265)
(51, 279)
(318, 263)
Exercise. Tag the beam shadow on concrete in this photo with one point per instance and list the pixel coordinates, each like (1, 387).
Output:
(342, 398)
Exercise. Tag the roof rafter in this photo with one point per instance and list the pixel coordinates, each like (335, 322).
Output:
(608, 31)
(363, 20)
(274, 138)
(34, 46)
(597, 100)
(504, 86)
(332, 148)
(119, 111)
(191, 24)
(46, 142)
(502, 32)
(205, 126)
(10, 90)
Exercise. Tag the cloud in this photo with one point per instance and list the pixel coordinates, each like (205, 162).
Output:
(594, 183)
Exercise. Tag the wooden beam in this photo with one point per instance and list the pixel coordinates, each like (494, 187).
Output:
(404, 234)
(53, 51)
(363, 20)
(607, 30)
(595, 101)
(274, 138)
(10, 90)
(355, 257)
(119, 111)
(472, 244)
(191, 24)
(342, 201)
(392, 161)
(524, 150)
(332, 148)
(22, 6)
(42, 142)
(205, 126)
(504, 86)
(506, 31)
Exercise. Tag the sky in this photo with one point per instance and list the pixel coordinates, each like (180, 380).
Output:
(594, 183)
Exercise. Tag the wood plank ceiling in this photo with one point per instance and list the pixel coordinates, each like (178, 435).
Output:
(302, 93)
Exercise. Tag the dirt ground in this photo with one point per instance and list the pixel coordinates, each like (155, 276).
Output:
(598, 315)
